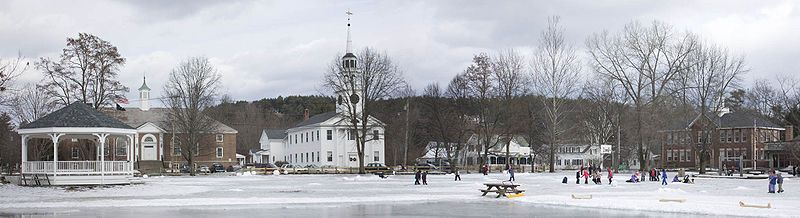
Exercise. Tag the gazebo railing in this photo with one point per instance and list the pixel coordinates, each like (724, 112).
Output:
(77, 167)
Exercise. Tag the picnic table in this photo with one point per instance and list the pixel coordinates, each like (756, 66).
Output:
(501, 188)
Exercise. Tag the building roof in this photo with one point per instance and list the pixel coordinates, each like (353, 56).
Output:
(319, 118)
(77, 114)
(137, 117)
(144, 85)
(743, 119)
(728, 120)
(275, 133)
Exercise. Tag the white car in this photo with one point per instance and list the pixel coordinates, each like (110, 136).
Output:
(291, 168)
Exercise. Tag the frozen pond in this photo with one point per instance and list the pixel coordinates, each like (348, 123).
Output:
(370, 196)
(431, 209)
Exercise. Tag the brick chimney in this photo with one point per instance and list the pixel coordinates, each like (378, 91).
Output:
(305, 114)
(789, 134)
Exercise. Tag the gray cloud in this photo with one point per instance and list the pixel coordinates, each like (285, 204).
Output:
(271, 48)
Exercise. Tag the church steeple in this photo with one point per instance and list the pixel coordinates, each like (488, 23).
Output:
(350, 96)
(144, 95)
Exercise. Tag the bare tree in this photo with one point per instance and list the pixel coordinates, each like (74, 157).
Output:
(712, 72)
(86, 71)
(556, 70)
(512, 84)
(10, 69)
(376, 76)
(30, 104)
(643, 60)
(193, 86)
(481, 84)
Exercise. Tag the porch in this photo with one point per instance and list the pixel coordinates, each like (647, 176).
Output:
(80, 172)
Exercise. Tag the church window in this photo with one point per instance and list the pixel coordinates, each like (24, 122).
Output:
(220, 137)
(330, 134)
(176, 148)
(219, 152)
(376, 156)
(330, 156)
(122, 147)
(375, 135)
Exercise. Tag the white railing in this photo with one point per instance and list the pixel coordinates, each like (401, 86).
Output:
(67, 167)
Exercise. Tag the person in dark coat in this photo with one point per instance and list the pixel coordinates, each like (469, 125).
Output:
(773, 179)
(511, 173)
(578, 176)
(780, 183)
(663, 177)
(425, 178)
(458, 176)
(417, 176)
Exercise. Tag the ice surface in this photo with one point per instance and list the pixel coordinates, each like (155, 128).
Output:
(706, 197)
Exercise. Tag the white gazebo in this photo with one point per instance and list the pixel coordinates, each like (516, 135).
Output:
(74, 122)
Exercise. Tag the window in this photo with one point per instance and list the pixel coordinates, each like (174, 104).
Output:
(736, 135)
(330, 155)
(295, 138)
(122, 147)
(352, 157)
(744, 136)
(317, 151)
(688, 155)
(75, 152)
(669, 155)
(375, 135)
(306, 136)
(220, 137)
(312, 155)
(729, 134)
(176, 148)
(317, 137)
(351, 134)
(330, 134)
(219, 152)
(376, 156)
(307, 160)
(722, 136)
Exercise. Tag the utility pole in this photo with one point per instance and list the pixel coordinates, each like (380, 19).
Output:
(619, 143)
(405, 148)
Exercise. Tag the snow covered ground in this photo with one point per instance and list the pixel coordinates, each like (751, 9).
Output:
(370, 196)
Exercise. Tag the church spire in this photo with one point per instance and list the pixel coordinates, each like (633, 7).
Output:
(349, 48)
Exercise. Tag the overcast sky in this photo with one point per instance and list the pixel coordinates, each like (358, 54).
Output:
(271, 48)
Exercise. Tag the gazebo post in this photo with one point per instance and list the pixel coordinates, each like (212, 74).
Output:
(55, 137)
(24, 158)
(102, 138)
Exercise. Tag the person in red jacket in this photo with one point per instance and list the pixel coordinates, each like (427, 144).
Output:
(610, 175)
(585, 177)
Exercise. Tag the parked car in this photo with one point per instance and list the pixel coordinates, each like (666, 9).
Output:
(294, 168)
(426, 166)
(203, 169)
(375, 167)
(184, 168)
(332, 169)
(313, 168)
(217, 168)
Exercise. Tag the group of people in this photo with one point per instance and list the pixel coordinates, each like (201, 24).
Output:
(775, 179)
(656, 176)
(593, 172)
(421, 175)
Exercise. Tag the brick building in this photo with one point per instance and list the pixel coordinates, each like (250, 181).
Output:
(731, 136)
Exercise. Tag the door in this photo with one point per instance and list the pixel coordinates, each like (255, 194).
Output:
(149, 148)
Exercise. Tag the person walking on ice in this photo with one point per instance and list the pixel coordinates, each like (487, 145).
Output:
(663, 176)
(610, 175)
(425, 178)
(578, 176)
(780, 183)
(511, 173)
(772, 181)
(417, 176)
(458, 176)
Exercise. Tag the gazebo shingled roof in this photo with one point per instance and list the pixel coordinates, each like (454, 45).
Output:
(77, 115)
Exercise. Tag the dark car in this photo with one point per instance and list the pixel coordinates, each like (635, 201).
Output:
(217, 167)
(376, 167)
(184, 168)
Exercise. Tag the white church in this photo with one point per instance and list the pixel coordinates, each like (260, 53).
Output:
(326, 139)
